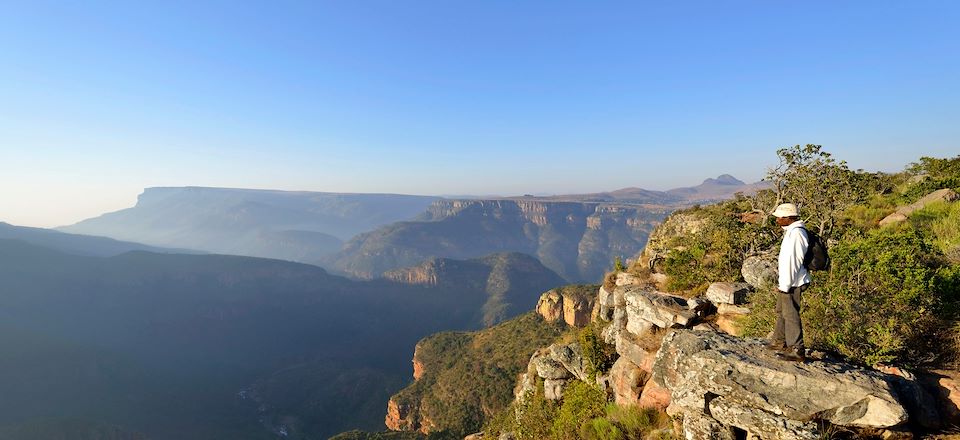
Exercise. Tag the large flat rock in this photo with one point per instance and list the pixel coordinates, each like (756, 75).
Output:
(737, 382)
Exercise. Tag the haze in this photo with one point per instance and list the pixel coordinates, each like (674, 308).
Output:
(99, 100)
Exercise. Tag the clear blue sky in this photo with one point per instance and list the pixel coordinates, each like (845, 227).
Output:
(101, 99)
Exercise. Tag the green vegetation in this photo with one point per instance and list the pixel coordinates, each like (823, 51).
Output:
(584, 413)
(581, 401)
(716, 250)
(892, 293)
(468, 377)
(598, 355)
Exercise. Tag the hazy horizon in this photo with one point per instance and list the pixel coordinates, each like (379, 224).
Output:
(100, 100)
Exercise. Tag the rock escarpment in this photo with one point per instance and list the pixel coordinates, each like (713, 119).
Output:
(577, 240)
(673, 356)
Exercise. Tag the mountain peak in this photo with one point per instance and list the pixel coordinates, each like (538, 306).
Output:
(724, 179)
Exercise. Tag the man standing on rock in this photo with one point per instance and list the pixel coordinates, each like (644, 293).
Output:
(793, 280)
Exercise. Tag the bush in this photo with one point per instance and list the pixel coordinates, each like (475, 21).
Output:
(597, 355)
(581, 401)
(533, 419)
(636, 422)
(884, 296)
(715, 252)
(600, 429)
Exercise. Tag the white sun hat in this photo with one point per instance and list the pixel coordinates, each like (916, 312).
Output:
(786, 210)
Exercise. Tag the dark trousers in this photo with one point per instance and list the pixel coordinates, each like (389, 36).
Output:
(789, 330)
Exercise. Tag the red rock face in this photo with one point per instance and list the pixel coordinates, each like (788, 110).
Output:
(417, 365)
(576, 312)
(654, 396)
(399, 417)
(550, 306)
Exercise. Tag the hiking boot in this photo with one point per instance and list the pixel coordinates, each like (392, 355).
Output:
(793, 355)
(775, 346)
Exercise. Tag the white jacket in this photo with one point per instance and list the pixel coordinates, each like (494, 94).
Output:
(790, 262)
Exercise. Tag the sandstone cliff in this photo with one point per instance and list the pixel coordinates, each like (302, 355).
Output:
(577, 240)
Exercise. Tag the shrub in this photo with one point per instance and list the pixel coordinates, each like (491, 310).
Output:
(533, 419)
(581, 401)
(880, 301)
(600, 429)
(597, 354)
(716, 251)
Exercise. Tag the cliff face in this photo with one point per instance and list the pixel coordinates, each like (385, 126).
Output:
(577, 240)
(508, 282)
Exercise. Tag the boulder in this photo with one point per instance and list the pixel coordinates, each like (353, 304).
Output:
(945, 388)
(549, 368)
(765, 395)
(728, 293)
(617, 325)
(577, 310)
(901, 214)
(627, 380)
(654, 396)
(627, 279)
(550, 306)
(700, 427)
(604, 305)
(700, 305)
(761, 423)
(571, 357)
(660, 309)
(730, 309)
(729, 324)
(553, 388)
(896, 217)
(477, 436)
(629, 347)
(760, 271)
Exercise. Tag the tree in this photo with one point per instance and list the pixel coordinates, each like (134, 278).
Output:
(820, 186)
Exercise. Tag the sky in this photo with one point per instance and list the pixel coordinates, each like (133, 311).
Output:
(99, 100)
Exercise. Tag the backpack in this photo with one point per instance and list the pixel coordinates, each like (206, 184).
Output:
(816, 257)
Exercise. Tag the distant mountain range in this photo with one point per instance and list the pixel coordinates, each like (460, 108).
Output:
(366, 235)
(575, 239)
(290, 225)
(185, 347)
(713, 189)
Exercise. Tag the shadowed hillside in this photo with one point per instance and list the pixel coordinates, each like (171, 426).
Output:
(211, 346)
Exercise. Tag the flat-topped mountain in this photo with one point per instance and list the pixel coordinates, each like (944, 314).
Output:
(577, 240)
(291, 225)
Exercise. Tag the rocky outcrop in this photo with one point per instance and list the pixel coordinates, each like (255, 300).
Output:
(627, 381)
(550, 306)
(557, 365)
(401, 416)
(572, 304)
(903, 212)
(720, 383)
(760, 271)
(417, 363)
(728, 293)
